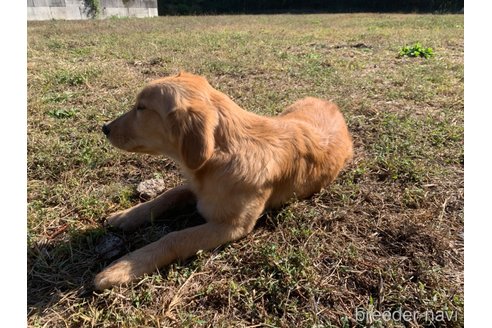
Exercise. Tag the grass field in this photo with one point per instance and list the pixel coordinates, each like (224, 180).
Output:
(386, 236)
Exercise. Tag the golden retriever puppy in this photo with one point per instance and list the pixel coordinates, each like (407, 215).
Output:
(237, 164)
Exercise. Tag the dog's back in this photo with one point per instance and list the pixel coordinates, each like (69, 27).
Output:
(322, 146)
(323, 115)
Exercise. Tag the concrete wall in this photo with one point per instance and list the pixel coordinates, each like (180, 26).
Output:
(77, 9)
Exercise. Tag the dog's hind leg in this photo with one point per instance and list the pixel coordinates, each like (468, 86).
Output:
(140, 214)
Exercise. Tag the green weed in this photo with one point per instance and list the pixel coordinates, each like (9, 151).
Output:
(416, 51)
(62, 113)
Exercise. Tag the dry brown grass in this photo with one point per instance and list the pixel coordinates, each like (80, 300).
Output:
(387, 235)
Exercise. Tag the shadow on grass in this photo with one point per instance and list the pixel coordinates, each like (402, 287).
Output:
(66, 266)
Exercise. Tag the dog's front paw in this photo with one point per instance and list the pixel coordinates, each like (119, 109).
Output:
(127, 220)
(120, 273)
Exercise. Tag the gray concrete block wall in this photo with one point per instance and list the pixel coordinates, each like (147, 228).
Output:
(57, 3)
(37, 3)
(76, 9)
(74, 2)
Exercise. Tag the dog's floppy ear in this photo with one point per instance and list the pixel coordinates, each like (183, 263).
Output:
(194, 127)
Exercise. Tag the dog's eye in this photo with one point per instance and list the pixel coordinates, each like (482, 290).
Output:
(139, 108)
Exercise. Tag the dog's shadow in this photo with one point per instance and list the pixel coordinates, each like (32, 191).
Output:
(66, 266)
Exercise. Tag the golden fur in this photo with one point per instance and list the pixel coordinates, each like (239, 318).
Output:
(237, 164)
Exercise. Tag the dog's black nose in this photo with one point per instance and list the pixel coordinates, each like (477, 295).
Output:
(106, 129)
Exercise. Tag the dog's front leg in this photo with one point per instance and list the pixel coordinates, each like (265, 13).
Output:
(142, 213)
(175, 245)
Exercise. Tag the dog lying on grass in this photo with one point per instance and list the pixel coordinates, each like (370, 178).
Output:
(237, 164)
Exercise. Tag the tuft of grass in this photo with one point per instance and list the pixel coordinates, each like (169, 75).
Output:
(70, 78)
(58, 98)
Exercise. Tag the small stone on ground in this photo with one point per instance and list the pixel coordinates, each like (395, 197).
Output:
(152, 188)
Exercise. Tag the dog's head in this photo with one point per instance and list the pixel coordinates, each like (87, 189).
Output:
(171, 116)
